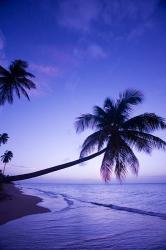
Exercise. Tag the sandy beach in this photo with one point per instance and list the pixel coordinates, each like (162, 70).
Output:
(14, 204)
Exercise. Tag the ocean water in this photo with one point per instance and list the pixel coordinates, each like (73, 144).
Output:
(128, 216)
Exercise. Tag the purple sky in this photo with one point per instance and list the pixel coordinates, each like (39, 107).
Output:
(81, 52)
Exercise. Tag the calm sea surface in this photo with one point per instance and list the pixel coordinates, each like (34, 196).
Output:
(88, 217)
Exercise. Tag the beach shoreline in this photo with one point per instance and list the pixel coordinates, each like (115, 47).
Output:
(14, 204)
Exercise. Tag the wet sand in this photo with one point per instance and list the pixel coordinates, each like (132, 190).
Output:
(14, 204)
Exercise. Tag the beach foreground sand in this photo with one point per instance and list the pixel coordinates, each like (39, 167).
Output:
(14, 204)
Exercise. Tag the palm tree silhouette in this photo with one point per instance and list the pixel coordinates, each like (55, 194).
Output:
(115, 135)
(3, 138)
(15, 80)
(6, 157)
(119, 133)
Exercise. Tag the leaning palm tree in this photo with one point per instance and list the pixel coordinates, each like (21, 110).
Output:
(119, 133)
(6, 157)
(3, 138)
(15, 80)
(115, 136)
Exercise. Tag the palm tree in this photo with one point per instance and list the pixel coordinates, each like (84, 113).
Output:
(15, 80)
(116, 134)
(6, 157)
(119, 133)
(3, 138)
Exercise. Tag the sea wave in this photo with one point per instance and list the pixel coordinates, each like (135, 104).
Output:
(70, 202)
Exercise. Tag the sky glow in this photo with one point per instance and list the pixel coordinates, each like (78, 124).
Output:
(80, 52)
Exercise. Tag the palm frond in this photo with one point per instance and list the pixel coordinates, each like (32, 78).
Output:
(99, 112)
(24, 92)
(3, 71)
(4, 80)
(85, 121)
(120, 170)
(143, 141)
(120, 155)
(103, 138)
(3, 138)
(6, 94)
(107, 165)
(154, 141)
(136, 141)
(95, 140)
(108, 104)
(128, 157)
(124, 158)
(131, 97)
(17, 90)
(127, 99)
(27, 83)
(18, 65)
(146, 122)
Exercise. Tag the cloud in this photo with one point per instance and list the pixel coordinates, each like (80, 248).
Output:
(78, 14)
(44, 74)
(139, 31)
(90, 51)
(129, 19)
(43, 87)
(96, 51)
(64, 56)
(119, 17)
(92, 26)
(118, 11)
(45, 69)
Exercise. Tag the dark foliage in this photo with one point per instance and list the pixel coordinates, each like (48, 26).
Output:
(3, 138)
(115, 130)
(15, 81)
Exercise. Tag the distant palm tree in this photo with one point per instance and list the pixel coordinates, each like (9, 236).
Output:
(15, 80)
(3, 138)
(6, 157)
(115, 135)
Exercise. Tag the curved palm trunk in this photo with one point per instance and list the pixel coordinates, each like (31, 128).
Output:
(52, 169)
